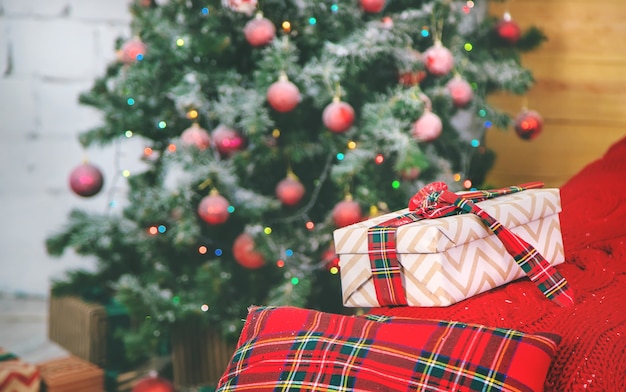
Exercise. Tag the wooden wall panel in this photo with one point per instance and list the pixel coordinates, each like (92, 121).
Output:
(580, 90)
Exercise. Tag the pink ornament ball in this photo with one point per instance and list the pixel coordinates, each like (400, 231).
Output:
(213, 209)
(528, 124)
(259, 31)
(290, 191)
(460, 91)
(196, 136)
(245, 254)
(153, 384)
(132, 51)
(372, 6)
(427, 128)
(338, 116)
(438, 60)
(283, 96)
(227, 140)
(86, 180)
(346, 212)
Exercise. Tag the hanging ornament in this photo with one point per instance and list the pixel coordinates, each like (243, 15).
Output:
(508, 30)
(196, 136)
(226, 140)
(153, 384)
(412, 76)
(245, 254)
(243, 6)
(528, 124)
(410, 173)
(330, 259)
(132, 51)
(213, 209)
(338, 116)
(460, 91)
(283, 95)
(290, 190)
(86, 180)
(438, 59)
(372, 6)
(347, 212)
(259, 31)
(427, 128)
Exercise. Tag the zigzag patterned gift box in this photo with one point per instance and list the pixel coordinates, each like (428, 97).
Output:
(446, 260)
(17, 375)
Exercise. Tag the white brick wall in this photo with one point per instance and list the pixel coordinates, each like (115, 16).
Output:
(50, 51)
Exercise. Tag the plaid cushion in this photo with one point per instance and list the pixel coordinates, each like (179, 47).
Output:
(287, 348)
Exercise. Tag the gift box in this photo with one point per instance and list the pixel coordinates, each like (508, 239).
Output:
(71, 374)
(200, 355)
(87, 329)
(124, 381)
(445, 260)
(17, 375)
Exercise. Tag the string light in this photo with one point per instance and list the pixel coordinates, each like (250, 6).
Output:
(289, 252)
(276, 133)
(475, 142)
(171, 147)
(202, 250)
(176, 299)
(162, 229)
(267, 230)
(286, 25)
(130, 101)
(147, 151)
(204, 307)
(312, 21)
(482, 113)
(468, 47)
(205, 11)
(334, 8)
(280, 263)
(340, 156)
(425, 33)
(192, 114)
(295, 281)
(351, 145)
(457, 177)
(334, 270)
(126, 173)
(218, 252)
(162, 124)
(379, 159)
(310, 225)
(488, 124)
(180, 42)
(467, 184)
(128, 133)
(395, 184)
(153, 230)
(230, 209)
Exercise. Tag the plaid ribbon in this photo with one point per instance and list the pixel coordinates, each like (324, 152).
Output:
(386, 271)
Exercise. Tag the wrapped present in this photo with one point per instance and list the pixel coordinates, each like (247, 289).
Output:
(87, 329)
(124, 381)
(71, 374)
(17, 375)
(443, 261)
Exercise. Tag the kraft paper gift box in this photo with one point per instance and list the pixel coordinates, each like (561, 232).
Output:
(446, 260)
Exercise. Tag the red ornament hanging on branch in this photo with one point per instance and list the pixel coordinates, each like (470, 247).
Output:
(438, 59)
(372, 6)
(213, 209)
(338, 116)
(508, 30)
(412, 76)
(427, 128)
(245, 254)
(153, 384)
(460, 91)
(259, 31)
(195, 136)
(528, 124)
(283, 95)
(132, 51)
(86, 180)
(347, 212)
(290, 190)
(227, 140)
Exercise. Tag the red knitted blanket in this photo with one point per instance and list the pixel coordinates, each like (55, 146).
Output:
(592, 354)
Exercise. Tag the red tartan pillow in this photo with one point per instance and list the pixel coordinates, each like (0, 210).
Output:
(287, 348)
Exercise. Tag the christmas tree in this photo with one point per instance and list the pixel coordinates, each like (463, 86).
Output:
(266, 127)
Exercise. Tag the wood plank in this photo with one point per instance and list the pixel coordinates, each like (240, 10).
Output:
(555, 156)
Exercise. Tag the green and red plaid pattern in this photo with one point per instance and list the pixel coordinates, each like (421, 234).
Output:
(551, 283)
(287, 349)
(381, 239)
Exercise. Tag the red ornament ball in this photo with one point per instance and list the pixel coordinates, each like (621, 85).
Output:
(86, 180)
(196, 136)
(330, 259)
(153, 384)
(227, 140)
(213, 209)
(347, 212)
(460, 91)
(410, 173)
(259, 31)
(438, 60)
(509, 31)
(283, 96)
(244, 253)
(528, 124)
(338, 116)
(290, 191)
(427, 128)
(411, 78)
(132, 51)
(372, 6)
